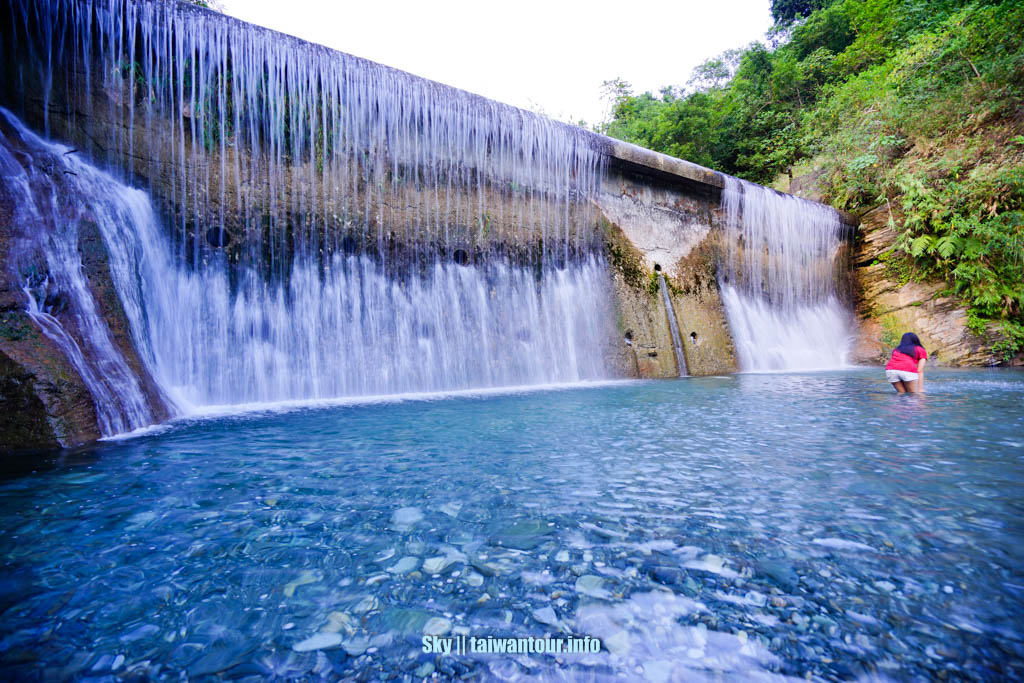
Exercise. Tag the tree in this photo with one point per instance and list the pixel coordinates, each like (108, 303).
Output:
(787, 12)
(715, 72)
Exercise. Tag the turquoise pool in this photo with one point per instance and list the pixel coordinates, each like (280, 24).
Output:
(758, 526)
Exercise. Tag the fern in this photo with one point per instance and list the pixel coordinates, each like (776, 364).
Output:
(922, 244)
(948, 245)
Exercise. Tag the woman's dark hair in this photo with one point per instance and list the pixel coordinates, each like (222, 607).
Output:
(908, 344)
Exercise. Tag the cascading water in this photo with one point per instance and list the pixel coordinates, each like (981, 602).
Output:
(50, 201)
(779, 281)
(270, 150)
(321, 225)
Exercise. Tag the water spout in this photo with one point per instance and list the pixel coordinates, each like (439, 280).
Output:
(673, 325)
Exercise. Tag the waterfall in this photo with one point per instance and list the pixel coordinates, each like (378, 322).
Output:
(50, 201)
(673, 326)
(781, 280)
(288, 222)
(346, 328)
(265, 149)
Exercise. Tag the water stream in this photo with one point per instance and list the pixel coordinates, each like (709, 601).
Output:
(673, 325)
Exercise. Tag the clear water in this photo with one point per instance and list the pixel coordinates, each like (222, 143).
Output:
(754, 525)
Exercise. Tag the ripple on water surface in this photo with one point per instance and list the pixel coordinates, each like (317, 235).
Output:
(754, 525)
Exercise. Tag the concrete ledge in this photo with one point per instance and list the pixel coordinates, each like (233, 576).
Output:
(636, 157)
(703, 180)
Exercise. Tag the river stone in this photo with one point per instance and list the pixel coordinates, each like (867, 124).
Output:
(406, 620)
(319, 641)
(546, 615)
(526, 534)
(618, 643)
(306, 577)
(406, 517)
(780, 572)
(668, 576)
(141, 519)
(485, 568)
(437, 626)
(217, 659)
(437, 565)
(591, 585)
(367, 604)
(375, 579)
(405, 565)
(140, 633)
(451, 509)
(356, 646)
(339, 621)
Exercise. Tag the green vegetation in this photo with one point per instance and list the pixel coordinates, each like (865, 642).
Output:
(914, 104)
(891, 329)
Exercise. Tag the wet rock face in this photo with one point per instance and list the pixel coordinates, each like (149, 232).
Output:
(47, 402)
(23, 419)
(888, 307)
(96, 263)
(43, 403)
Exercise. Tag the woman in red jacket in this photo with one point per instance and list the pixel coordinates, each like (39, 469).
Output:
(905, 369)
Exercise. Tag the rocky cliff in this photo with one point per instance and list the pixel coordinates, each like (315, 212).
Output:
(889, 302)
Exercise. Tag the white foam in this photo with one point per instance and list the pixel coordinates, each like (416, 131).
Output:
(644, 635)
(200, 413)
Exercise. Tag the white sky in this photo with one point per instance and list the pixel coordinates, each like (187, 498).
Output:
(544, 55)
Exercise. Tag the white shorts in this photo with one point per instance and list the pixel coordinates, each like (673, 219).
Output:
(900, 375)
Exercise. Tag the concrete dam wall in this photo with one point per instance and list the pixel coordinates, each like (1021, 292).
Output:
(312, 225)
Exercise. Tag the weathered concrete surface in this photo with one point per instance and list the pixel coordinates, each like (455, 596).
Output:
(644, 346)
(663, 225)
(888, 307)
(654, 164)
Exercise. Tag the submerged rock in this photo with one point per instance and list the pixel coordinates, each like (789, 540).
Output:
(306, 577)
(546, 615)
(437, 626)
(406, 517)
(781, 572)
(405, 565)
(523, 535)
(591, 585)
(319, 641)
